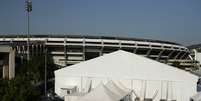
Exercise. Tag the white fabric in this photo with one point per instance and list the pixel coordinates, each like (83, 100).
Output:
(125, 66)
(115, 89)
(197, 97)
(100, 93)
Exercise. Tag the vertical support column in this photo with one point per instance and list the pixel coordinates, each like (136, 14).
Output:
(65, 52)
(195, 54)
(36, 50)
(83, 50)
(148, 52)
(40, 50)
(119, 44)
(102, 47)
(32, 50)
(159, 55)
(12, 63)
(135, 49)
(5, 69)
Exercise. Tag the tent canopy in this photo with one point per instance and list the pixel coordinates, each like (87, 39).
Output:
(116, 89)
(101, 93)
(126, 65)
(196, 97)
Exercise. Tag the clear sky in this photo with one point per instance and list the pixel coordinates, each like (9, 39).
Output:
(171, 20)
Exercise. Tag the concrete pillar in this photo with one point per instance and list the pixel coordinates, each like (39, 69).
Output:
(101, 51)
(102, 48)
(159, 55)
(36, 50)
(40, 49)
(83, 53)
(32, 50)
(135, 50)
(148, 52)
(119, 44)
(12, 63)
(83, 50)
(65, 52)
(5, 71)
(195, 54)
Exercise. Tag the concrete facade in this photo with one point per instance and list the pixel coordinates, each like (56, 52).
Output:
(8, 61)
(68, 49)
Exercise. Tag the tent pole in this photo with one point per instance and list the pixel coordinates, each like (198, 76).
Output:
(161, 89)
(81, 83)
(145, 88)
(167, 90)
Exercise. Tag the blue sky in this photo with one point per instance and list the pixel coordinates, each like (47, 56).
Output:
(172, 20)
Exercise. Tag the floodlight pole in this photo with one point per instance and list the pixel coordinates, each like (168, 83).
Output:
(45, 71)
(28, 9)
(28, 34)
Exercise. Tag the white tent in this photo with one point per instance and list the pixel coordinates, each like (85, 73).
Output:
(123, 93)
(136, 72)
(101, 93)
(116, 89)
(196, 97)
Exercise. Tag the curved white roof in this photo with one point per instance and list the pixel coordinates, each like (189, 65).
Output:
(121, 64)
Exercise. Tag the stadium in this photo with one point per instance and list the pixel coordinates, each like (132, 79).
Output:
(71, 49)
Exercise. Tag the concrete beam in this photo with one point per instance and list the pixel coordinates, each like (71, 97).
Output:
(170, 54)
(183, 55)
(177, 55)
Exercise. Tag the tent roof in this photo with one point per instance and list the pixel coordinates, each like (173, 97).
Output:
(122, 64)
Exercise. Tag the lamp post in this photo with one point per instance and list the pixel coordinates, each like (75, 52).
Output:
(28, 9)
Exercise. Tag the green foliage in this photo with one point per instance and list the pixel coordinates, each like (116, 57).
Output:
(28, 75)
(36, 68)
(18, 89)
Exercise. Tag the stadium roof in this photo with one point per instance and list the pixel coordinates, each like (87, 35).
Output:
(88, 36)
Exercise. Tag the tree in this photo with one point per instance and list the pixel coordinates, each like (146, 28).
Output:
(24, 86)
(18, 89)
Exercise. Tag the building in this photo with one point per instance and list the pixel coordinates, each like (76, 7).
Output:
(71, 49)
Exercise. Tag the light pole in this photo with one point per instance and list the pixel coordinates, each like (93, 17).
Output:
(28, 9)
(45, 71)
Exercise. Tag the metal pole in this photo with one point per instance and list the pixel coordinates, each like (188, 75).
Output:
(28, 9)
(28, 39)
(45, 71)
